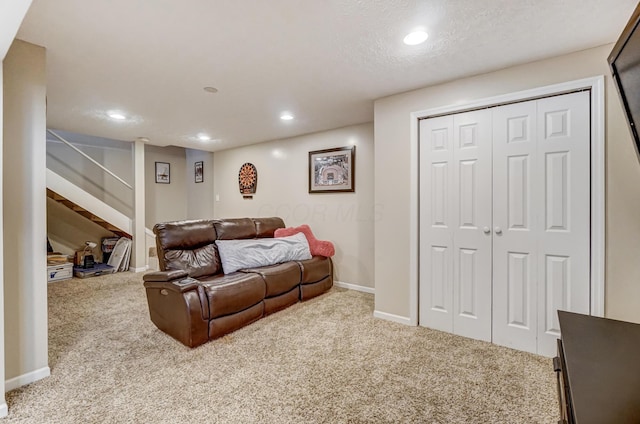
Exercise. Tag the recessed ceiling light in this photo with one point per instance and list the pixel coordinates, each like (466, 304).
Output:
(211, 90)
(286, 116)
(117, 116)
(203, 137)
(415, 37)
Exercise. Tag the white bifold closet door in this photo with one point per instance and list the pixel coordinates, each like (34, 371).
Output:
(504, 220)
(541, 204)
(455, 220)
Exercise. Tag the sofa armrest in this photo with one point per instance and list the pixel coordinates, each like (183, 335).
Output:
(179, 307)
(178, 286)
(175, 280)
(165, 275)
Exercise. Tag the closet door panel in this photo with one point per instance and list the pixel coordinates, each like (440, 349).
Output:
(436, 223)
(515, 203)
(564, 254)
(472, 224)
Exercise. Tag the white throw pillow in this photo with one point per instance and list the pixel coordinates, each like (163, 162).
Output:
(239, 254)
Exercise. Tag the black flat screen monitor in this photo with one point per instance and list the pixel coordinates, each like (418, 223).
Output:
(624, 61)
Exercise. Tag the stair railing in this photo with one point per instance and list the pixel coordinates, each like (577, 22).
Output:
(90, 158)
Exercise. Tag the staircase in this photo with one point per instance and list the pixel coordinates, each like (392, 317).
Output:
(83, 203)
(85, 213)
(86, 205)
(75, 198)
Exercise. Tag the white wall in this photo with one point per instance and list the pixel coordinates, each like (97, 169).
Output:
(25, 288)
(162, 202)
(140, 254)
(392, 157)
(199, 195)
(11, 14)
(346, 219)
(165, 202)
(66, 229)
(3, 404)
(112, 154)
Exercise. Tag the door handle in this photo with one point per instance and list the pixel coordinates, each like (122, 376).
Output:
(486, 230)
(498, 230)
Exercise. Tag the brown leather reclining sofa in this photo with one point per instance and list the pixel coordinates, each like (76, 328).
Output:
(193, 301)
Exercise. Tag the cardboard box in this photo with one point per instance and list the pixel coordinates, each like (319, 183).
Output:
(77, 258)
(59, 272)
(57, 259)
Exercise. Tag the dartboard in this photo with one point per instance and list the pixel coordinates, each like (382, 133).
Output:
(248, 178)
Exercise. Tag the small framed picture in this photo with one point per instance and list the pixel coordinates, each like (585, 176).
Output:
(163, 173)
(332, 170)
(198, 172)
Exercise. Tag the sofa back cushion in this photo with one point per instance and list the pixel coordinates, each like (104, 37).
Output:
(188, 245)
(235, 228)
(266, 227)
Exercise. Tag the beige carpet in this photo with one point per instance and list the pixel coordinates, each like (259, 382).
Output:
(323, 361)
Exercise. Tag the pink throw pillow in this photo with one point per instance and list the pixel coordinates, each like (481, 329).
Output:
(317, 247)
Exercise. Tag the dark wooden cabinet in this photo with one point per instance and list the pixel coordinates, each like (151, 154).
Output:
(598, 369)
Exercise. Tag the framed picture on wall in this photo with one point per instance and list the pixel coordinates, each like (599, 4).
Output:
(199, 172)
(163, 173)
(332, 170)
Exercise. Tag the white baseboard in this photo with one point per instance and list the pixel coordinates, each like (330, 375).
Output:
(356, 287)
(141, 269)
(392, 317)
(27, 378)
(4, 411)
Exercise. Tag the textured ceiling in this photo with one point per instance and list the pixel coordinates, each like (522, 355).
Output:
(323, 60)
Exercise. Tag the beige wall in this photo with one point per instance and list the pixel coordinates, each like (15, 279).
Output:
(11, 13)
(141, 240)
(114, 155)
(3, 404)
(344, 218)
(25, 282)
(392, 157)
(67, 231)
(165, 202)
(199, 195)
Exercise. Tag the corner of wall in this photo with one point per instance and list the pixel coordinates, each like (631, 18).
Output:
(393, 318)
(347, 219)
(24, 212)
(3, 405)
(27, 378)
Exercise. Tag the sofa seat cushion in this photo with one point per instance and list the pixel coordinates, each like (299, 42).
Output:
(218, 327)
(311, 290)
(231, 293)
(279, 278)
(281, 301)
(315, 269)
